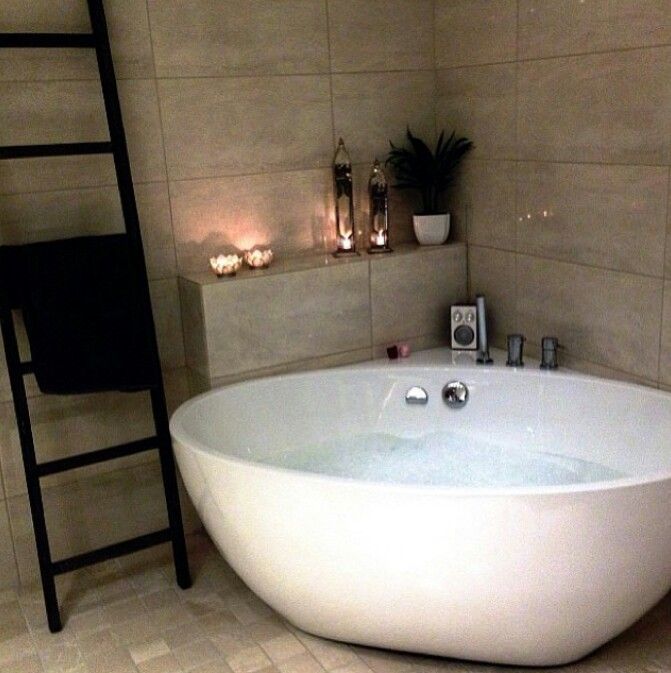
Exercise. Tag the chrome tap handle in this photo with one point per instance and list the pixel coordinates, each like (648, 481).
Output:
(549, 346)
(515, 350)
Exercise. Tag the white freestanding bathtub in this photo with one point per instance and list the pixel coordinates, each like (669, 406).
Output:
(528, 527)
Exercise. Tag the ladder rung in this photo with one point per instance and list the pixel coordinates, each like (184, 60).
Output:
(57, 150)
(26, 368)
(100, 456)
(47, 40)
(67, 565)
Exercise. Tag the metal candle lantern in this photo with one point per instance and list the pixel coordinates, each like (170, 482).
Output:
(344, 202)
(378, 193)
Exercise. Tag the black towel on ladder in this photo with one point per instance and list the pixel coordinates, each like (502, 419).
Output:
(82, 315)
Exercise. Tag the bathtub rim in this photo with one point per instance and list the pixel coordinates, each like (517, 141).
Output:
(179, 435)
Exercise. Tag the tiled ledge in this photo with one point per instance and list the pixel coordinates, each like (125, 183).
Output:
(318, 307)
(316, 261)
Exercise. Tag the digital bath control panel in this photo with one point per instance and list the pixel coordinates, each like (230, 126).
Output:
(464, 327)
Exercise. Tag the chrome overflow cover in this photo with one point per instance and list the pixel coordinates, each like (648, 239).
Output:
(417, 395)
(455, 394)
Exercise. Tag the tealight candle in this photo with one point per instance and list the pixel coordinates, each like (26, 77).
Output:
(345, 244)
(259, 259)
(225, 265)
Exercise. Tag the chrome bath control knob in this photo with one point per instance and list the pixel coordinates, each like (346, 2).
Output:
(455, 394)
(417, 395)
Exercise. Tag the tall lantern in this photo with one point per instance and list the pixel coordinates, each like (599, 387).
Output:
(378, 194)
(344, 201)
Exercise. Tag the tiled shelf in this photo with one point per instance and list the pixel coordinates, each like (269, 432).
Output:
(318, 310)
(316, 261)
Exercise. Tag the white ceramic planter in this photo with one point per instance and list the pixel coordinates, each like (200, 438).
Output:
(431, 229)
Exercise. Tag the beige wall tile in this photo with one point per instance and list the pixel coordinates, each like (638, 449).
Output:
(72, 111)
(665, 350)
(312, 364)
(288, 317)
(483, 203)
(153, 203)
(56, 174)
(411, 294)
(613, 107)
(129, 36)
(369, 35)
(139, 104)
(8, 570)
(193, 317)
(607, 317)
(612, 216)
(49, 112)
(469, 32)
(91, 513)
(252, 37)
(480, 104)
(286, 210)
(44, 216)
(370, 109)
(168, 321)
(69, 425)
(245, 125)
(21, 65)
(493, 273)
(556, 27)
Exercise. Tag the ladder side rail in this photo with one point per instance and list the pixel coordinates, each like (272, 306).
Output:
(27, 441)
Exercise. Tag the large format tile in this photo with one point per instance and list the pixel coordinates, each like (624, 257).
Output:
(370, 109)
(8, 569)
(233, 126)
(72, 111)
(44, 216)
(411, 294)
(139, 105)
(153, 205)
(69, 425)
(287, 211)
(469, 32)
(480, 104)
(269, 320)
(493, 273)
(369, 35)
(612, 216)
(248, 37)
(129, 37)
(168, 321)
(556, 27)
(483, 203)
(613, 107)
(665, 352)
(608, 317)
(100, 510)
(51, 112)
(56, 173)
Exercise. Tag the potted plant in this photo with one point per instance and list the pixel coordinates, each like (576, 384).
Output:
(430, 173)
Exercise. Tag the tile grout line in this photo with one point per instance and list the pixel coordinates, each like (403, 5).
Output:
(555, 57)
(167, 177)
(330, 71)
(666, 246)
(585, 265)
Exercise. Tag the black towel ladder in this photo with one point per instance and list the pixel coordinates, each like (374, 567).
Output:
(97, 39)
